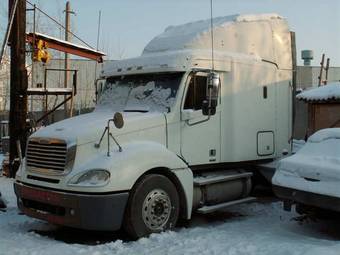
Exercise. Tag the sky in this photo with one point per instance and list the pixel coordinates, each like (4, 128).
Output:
(127, 25)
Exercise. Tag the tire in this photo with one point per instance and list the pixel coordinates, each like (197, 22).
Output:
(153, 207)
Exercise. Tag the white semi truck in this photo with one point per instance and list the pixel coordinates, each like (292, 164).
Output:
(178, 130)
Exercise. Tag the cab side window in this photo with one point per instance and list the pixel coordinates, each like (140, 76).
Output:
(196, 92)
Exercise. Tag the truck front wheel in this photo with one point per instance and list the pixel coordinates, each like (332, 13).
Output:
(153, 207)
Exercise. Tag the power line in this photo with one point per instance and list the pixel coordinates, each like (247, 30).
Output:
(53, 19)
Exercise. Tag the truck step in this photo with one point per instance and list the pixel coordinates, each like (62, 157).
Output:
(206, 180)
(211, 208)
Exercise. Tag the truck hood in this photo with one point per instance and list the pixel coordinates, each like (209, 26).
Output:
(89, 127)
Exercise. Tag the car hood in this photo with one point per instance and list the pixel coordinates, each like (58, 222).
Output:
(89, 127)
(315, 160)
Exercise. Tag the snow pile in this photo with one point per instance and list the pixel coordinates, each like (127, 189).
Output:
(318, 160)
(330, 91)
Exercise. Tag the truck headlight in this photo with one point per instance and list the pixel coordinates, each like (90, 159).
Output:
(95, 177)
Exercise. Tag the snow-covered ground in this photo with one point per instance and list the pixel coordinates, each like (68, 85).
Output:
(258, 228)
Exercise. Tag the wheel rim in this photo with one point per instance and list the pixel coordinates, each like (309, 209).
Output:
(156, 209)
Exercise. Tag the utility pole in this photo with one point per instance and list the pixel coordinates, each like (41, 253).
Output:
(67, 38)
(18, 85)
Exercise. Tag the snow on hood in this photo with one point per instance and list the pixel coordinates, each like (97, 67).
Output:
(330, 91)
(318, 159)
(324, 134)
(89, 127)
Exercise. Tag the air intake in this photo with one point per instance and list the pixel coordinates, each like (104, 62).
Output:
(49, 154)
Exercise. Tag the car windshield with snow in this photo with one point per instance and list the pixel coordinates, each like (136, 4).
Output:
(141, 93)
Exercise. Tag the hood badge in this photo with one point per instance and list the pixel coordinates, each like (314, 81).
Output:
(44, 141)
(59, 129)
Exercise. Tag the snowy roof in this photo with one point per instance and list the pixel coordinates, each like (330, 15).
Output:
(241, 37)
(68, 43)
(197, 34)
(323, 93)
(62, 45)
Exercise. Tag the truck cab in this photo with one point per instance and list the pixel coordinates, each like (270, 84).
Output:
(175, 131)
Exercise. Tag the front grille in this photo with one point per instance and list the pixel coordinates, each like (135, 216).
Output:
(47, 154)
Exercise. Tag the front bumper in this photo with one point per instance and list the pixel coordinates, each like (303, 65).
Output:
(102, 212)
(307, 198)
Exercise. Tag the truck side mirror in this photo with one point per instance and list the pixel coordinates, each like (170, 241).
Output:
(213, 86)
(118, 120)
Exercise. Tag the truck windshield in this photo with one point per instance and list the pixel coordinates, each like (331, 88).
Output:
(140, 93)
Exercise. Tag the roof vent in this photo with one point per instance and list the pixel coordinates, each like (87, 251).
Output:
(307, 56)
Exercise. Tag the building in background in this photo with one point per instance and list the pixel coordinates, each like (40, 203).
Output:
(323, 105)
(85, 83)
(309, 75)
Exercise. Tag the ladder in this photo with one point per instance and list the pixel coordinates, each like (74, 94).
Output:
(323, 68)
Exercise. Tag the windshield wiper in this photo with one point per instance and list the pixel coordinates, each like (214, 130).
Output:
(137, 110)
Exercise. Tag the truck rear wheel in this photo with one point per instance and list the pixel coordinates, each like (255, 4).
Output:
(153, 207)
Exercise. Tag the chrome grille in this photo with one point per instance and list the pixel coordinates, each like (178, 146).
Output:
(50, 154)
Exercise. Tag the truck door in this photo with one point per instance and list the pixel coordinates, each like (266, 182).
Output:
(200, 136)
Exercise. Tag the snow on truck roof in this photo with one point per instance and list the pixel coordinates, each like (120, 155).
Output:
(197, 34)
(241, 37)
(327, 92)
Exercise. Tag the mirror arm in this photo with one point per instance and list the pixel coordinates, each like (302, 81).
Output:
(198, 122)
(109, 134)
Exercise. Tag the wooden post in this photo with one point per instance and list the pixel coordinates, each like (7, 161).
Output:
(18, 86)
(326, 69)
(322, 63)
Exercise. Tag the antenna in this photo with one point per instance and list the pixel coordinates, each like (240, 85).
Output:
(97, 46)
(98, 32)
(212, 35)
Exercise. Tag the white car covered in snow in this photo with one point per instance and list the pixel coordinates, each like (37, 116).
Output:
(311, 177)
